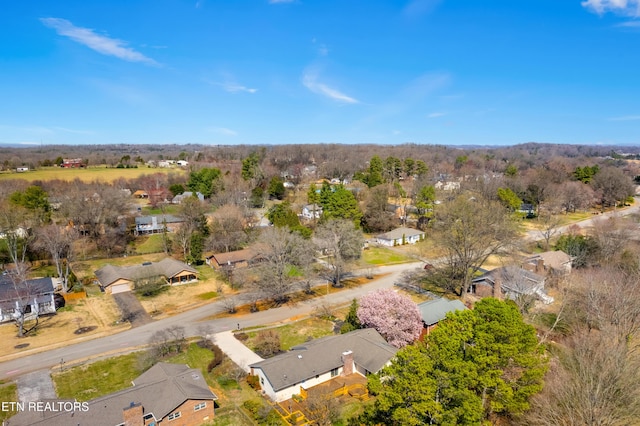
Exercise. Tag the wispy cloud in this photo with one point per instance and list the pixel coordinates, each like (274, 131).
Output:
(626, 118)
(310, 81)
(436, 114)
(619, 7)
(235, 88)
(280, 1)
(100, 43)
(416, 8)
(223, 131)
(229, 84)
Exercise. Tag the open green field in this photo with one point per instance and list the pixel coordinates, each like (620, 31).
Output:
(90, 174)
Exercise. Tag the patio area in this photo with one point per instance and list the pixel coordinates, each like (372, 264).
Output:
(344, 389)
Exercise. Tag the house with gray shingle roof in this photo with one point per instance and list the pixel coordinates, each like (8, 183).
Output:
(434, 311)
(358, 352)
(117, 279)
(35, 295)
(400, 236)
(164, 393)
(156, 224)
(514, 283)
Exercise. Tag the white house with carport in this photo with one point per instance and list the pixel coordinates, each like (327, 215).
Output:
(318, 361)
(400, 236)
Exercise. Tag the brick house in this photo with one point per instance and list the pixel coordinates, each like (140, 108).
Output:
(171, 394)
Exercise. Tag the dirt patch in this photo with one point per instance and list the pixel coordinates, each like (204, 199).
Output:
(180, 298)
(59, 330)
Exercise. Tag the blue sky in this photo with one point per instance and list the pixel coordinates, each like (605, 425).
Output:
(496, 72)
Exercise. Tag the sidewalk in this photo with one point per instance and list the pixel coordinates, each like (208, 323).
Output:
(235, 350)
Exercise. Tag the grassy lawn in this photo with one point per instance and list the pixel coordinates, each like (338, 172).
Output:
(297, 333)
(384, 256)
(102, 377)
(196, 357)
(8, 393)
(90, 174)
(148, 244)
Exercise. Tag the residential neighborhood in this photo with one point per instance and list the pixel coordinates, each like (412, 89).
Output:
(320, 213)
(308, 314)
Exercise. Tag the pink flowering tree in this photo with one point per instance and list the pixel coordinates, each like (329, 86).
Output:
(394, 316)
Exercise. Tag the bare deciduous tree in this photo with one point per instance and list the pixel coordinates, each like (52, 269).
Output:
(469, 230)
(227, 229)
(342, 242)
(286, 255)
(58, 242)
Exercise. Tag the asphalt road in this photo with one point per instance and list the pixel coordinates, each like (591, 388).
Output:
(587, 223)
(195, 324)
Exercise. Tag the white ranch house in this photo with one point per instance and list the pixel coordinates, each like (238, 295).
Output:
(400, 236)
(318, 361)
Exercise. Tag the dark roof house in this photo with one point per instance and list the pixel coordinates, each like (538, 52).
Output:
(116, 279)
(164, 393)
(361, 351)
(514, 282)
(37, 294)
(434, 311)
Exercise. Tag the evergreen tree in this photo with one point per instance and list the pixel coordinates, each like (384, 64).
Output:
(478, 365)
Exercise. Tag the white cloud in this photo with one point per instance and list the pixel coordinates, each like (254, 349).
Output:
(620, 7)
(626, 118)
(100, 43)
(223, 131)
(436, 114)
(310, 81)
(280, 1)
(235, 88)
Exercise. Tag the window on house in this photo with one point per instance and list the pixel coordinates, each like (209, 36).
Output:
(200, 406)
(334, 372)
(174, 416)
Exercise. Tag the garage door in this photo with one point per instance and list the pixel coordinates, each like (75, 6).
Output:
(119, 288)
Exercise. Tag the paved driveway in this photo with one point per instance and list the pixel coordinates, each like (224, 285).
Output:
(131, 309)
(36, 386)
(239, 353)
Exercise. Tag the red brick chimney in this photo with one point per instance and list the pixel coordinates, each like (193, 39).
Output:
(347, 363)
(497, 286)
(132, 415)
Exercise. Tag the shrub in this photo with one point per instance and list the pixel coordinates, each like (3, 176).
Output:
(254, 382)
(218, 357)
(267, 343)
(252, 406)
(243, 337)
